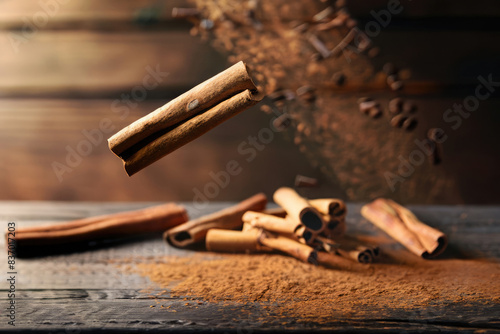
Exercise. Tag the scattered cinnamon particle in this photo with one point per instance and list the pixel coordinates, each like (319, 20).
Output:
(289, 288)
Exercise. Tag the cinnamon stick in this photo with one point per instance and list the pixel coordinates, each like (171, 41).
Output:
(330, 206)
(195, 231)
(184, 119)
(186, 132)
(338, 262)
(277, 211)
(270, 223)
(360, 254)
(299, 209)
(218, 240)
(291, 247)
(404, 226)
(152, 219)
(202, 97)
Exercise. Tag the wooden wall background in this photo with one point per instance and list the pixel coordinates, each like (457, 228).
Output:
(64, 76)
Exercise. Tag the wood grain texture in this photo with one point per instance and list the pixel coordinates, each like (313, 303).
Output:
(34, 133)
(85, 291)
(87, 14)
(90, 64)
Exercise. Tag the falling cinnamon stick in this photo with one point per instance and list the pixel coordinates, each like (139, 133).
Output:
(202, 97)
(404, 226)
(299, 209)
(185, 118)
(152, 219)
(187, 131)
(195, 231)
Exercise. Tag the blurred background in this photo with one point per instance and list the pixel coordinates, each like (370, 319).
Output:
(72, 73)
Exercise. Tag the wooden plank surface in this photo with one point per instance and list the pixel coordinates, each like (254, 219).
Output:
(85, 291)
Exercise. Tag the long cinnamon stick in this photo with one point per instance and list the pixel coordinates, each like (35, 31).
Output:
(153, 219)
(299, 209)
(202, 97)
(195, 231)
(405, 227)
(187, 131)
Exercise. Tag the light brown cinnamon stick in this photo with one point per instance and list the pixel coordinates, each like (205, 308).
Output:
(195, 231)
(270, 223)
(277, 211)
(218, 240)
(153, 219)
(187, 131)
(299, 209)
(404, 226)
(202, 97)
(291, 247)
(338, 262)
(330, 206)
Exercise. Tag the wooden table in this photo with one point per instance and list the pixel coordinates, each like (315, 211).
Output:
(83, 291)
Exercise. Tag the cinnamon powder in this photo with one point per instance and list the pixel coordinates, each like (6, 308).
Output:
(289, 288)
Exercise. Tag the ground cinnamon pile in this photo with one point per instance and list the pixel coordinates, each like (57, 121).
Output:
(286, 287)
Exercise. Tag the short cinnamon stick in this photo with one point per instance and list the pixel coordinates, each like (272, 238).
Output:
(230, 241)
(153, 219)
(270, 223)
(404, 226)
(299, 209)
(277, 211)
(195, 231)
(330, 206)
(291, 247)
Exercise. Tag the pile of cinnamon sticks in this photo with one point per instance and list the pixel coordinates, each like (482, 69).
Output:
(312, 231)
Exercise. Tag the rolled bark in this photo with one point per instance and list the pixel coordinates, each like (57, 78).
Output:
(330, 206)
(169, 140)
(433, 240)
(270, 223)
(153, 219)
(405, 227)
(195, 231)
(335, 227)
(291, 247)
(299, 209)
(202, 97)
(338, 262)
(218, 240)
(359, 254)
(277, 211)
